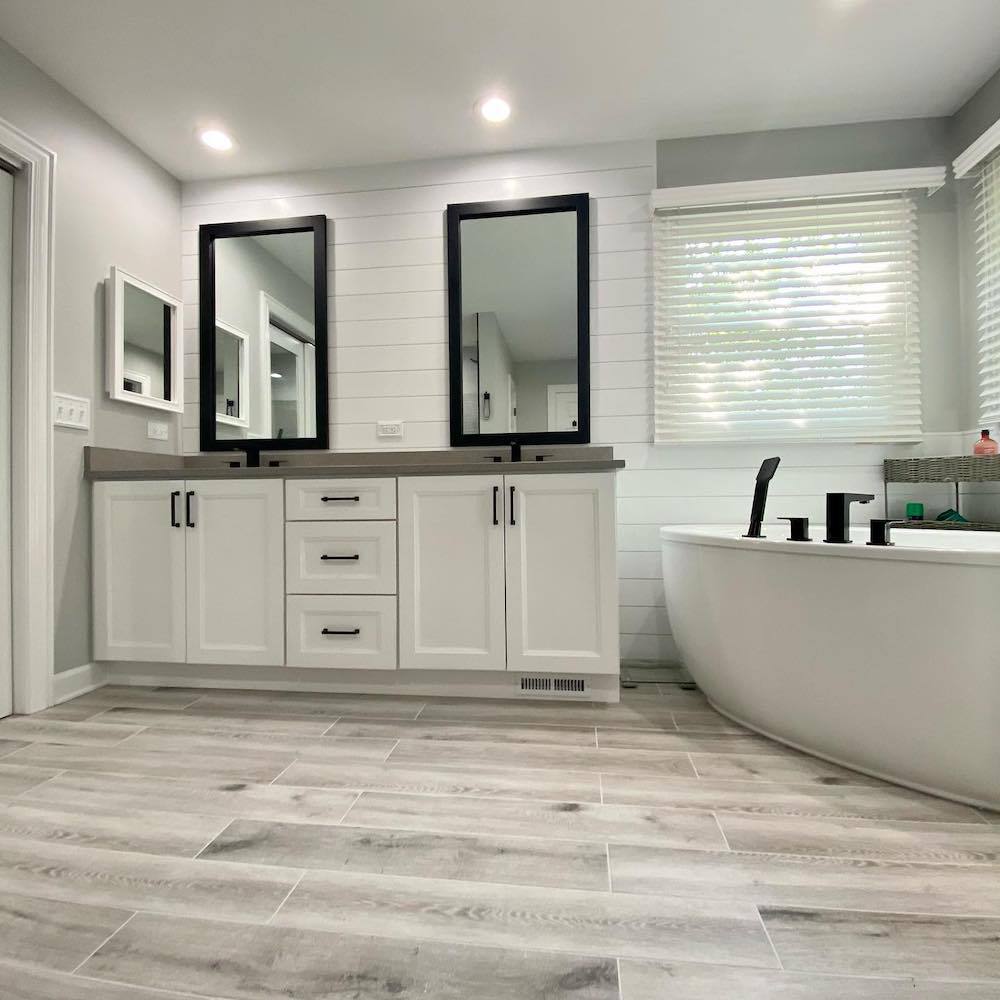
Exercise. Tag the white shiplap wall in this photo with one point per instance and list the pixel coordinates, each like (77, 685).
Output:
(388, 337)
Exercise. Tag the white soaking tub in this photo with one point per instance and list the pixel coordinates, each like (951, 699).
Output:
(885, 660)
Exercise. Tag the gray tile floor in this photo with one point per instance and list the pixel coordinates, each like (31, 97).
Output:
(254, 846)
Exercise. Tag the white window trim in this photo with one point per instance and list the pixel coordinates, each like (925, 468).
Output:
(859, 182)
(974, 154)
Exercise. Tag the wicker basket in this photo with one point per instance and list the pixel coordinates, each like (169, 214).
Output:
(958, 469)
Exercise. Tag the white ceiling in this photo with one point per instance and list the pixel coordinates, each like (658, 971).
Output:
(312, 83)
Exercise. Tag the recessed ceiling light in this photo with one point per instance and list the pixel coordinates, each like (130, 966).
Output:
(275, 374)
(216, 139)
(494, 109)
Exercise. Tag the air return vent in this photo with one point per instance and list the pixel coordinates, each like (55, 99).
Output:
(553, 685)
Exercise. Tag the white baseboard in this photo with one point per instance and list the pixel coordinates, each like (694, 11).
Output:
(80, 680)
(420, 683)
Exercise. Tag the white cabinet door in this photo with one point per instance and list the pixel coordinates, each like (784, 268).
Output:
(562, 601)
(451, 576)
(235, 572)
(139, 571)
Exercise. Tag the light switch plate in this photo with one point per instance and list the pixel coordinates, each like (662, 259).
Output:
(157, 430)
(71, 411)
(389, 429)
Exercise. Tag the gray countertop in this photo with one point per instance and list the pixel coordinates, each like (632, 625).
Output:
(102, 464)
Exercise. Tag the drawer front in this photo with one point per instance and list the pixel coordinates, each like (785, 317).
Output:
(340, 499)
(352, 557)
(355, 633)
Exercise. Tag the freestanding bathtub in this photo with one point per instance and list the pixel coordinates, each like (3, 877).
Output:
(885, 660)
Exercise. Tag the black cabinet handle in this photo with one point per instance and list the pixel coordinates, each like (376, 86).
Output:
(346, 499)
(187, 508)
(174, 497)
(513, 523)
(327, 558)
(341, 631)
(496, 491)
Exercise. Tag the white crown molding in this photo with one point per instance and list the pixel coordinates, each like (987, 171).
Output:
(791, 188)
(976, 152)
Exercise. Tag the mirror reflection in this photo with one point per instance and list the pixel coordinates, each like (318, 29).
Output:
(265, 336)
(146, 328)
(519, 323)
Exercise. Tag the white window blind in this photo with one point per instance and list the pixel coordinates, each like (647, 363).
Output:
(988, 281)
(787, 321)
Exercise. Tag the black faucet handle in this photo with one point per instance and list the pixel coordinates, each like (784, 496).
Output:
(798, 528)
(879, 531)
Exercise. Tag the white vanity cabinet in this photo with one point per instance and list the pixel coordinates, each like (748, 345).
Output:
(511, 572)
(189, 571)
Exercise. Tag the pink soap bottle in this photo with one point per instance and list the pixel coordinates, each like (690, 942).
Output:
(985, 445)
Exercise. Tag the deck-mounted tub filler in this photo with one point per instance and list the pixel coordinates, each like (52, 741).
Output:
(883, 659)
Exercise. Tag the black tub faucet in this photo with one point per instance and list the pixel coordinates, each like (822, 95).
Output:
(838, 515)
(764, 476)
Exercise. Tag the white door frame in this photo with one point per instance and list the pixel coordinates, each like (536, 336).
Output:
(31, 422)
(552, 393)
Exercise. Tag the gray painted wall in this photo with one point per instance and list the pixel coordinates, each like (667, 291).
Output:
(113, 206)
(843, 148)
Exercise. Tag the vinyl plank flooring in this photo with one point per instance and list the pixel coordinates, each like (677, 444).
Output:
(225, 799)
(15, 778)
(9, 746)
(72, 733)
(901, 944)
(651, 715)
(139, 697)
(146, 831)
(123, 880)
(303, 704)
(680, 981)
(705, 720)
(485, 858)
(571, 821)
(947, 843)
(546, 919)
(783, 799)
(241, 765)
(222, 722)
(478, 781)
(787, 765)
(471, 732)
(794, 880)
(647, 739)
(267, 963)
(20, 983)
(52, 934)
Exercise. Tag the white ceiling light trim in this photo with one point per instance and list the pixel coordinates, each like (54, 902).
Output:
(216, 139)
(494, 109)
(976, 152)
(859, 182)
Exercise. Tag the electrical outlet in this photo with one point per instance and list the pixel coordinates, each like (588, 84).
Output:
(71, 411)
(389, 429)
(157, 430)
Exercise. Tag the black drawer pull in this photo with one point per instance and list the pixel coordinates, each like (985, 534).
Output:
(496, 490)
(349, 558)
(345, 499)
(341, 631)
(174, 497)
(513, 523)
(187, 509)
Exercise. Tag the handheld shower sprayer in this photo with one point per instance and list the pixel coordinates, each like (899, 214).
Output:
(764, 476)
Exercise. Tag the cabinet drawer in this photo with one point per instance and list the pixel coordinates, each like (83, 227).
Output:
(348, 632)
(351, 557)
(340, 499)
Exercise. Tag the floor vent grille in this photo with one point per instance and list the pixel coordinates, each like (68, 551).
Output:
(553, 685)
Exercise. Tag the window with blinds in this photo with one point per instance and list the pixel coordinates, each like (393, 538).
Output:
(785, 321)
(988, 282)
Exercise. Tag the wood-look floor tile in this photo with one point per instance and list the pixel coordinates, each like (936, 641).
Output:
(885, 944)
(480, 781)
(227, 799)
(643, 716)
(555, 759)
(219, 959)
(16, 778)
(798, 880)
(574, 821)
(882, 840)
(486, 858)
(786, 765)
(784, 799)
(567, 920)
(9, 746)
(240, 765)
(304, 704)
(139, 697)
(675, 981)
(705, 721)
(72, 733)
(146, 831)
(471, 732)
(990, 816)
(648, 739)
(18, 982)
(221, 722)
(52, 934)
(128, 881)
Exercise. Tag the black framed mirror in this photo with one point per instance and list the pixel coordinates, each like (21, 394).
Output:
(263, 337)
(519, 321)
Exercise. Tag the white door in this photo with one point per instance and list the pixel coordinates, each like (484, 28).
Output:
(235, 572)
(451, 572)
(6, 256)
(562, 407)
(139, 571)
(562, 601)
